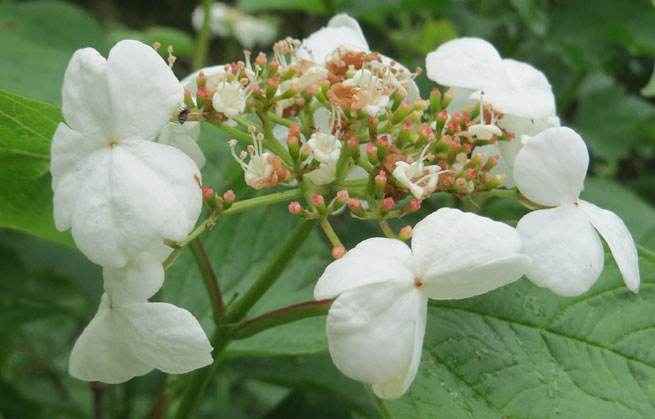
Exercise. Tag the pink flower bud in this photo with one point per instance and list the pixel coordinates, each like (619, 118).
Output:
(381, 177)
(229, 196)
(294, 207)
(338, 252)
(343, 196)
(318, 200)
(388, 203)
(383, 141)
(207, 193)
(354, 204)
(405, 233)
(371, 149)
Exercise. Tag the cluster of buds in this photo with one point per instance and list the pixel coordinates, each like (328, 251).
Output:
(318, 207)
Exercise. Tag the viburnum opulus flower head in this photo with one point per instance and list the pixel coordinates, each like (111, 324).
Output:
(375, 326)
(130, 336)
(121, 192)
(567, 255)
(474, 70)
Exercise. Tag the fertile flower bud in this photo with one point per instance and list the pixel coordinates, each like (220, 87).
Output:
(295, 208)
(207, 193)
(380, 183)
(405, 233)
(341, 200)
(229, 196)
(338, 252)
(447, 97)
(435, 101)
(372, 153)
(402, 111)
(294, 146)
(353, 147)
(319, 203)
(355, 207)
(388, 203)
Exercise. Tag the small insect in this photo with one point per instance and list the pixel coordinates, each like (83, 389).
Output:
(181, 117)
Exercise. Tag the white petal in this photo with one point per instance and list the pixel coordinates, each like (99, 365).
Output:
(566, 253)
(100, 354)
(372, 332)
(529, 94)
(459, 255)
(371, 261)
(551, 167)
(137, 281)
(471, 63)
(342, 31)
(184, 137)
(69, 149)
(85, 95)
(215, 74)
(135, 194)
(619, 240)
(144, 90)
(398, 385)
(520, 126)
(164, 336)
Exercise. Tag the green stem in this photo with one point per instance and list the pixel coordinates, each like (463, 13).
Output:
(277, 119)
(223, 335)
(273, 271)
(202, 41)
(201, 378)
(282, 316)
(503, 193)
(330, 233)
(209, 278)
(387, 229)
(234, 132)
(240, 206)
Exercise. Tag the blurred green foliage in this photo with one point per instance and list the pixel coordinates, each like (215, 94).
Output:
(598, 55)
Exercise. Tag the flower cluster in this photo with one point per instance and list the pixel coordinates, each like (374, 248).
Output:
(122, 194)
(348, 127)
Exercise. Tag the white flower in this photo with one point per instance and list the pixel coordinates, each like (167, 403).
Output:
(121, 192)
(521, 92)
(130, 337)
(221, 18)
(249, 31)
(230, 98)
(184, 137)
(375, 326)
(326, 146)
(419, 179)
(377, 98)
(342, 31)
(326, 173)
(566, 252)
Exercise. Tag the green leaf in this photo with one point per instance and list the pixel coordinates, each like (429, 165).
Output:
(38, 40)
(636, 213)
(649, 89)
(611, 131)
(522, 351)
(26, 129)
(309, 6)
(239, 248)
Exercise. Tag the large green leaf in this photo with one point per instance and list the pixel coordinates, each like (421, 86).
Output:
(522, 351)
(239, 248)
(38, 39)
(26, 128)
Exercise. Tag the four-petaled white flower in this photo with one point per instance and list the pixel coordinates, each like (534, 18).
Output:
(522, 93)
(567, 255)
(130, 336)
(121, 192)
(375, 326)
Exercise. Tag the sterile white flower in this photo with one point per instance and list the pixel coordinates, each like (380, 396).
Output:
(184, 137)
(130, 336)
(121, 192)
(521, 92)
(375, 326)
(342, 31)
(567, 255)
